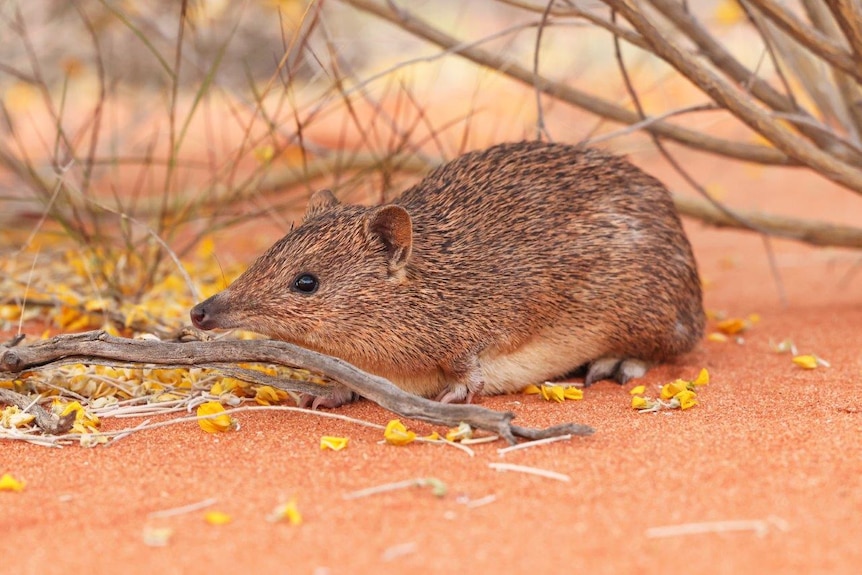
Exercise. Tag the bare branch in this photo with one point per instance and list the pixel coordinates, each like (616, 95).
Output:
(819, 44)
(812, 232)
(689, 25)
(99, 346)
(418, 27)
(743, 108)
(46, 421)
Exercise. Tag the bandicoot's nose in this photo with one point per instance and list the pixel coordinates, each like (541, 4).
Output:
(201, 318)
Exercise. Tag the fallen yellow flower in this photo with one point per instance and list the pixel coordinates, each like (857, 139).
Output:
(531, 389)
(85, 423)
(670, 390)
(333, 443)
(12, 417)
(217, 423)
(286, 512)
(806, 361)
(686, 399)
(553, 393)
(733, 326)
(702, 378)
(639, 402)
(9, 483)
(463, 431)
(268, 395)
(717, 337)
(217, 518)
(397, 434)
(558, 393)
(638, 390)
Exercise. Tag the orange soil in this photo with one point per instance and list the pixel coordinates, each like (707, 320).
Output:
(769, 442)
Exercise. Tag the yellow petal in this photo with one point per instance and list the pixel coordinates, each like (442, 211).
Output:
(672, 389)
(638, 390)
(215, 424)
(217, 518)
(397, 434)
(531, 390)
(72, 406)
(463, 431)
(554, 393)
(333, 443)
(12, 416)
(639, 402)
(571, 392)
(806, 361)
(286, 512)
(732, 326)
(433, 436)
(9, 483)
(100, 304)
(267, 395)
(702, 378)
(716, 337)
(686, 399)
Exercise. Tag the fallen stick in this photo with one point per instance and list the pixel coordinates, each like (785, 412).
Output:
(99, 347)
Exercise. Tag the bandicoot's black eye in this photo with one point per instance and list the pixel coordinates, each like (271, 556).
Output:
(305, 283)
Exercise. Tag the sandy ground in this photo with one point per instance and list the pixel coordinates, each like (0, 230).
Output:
(770, 461)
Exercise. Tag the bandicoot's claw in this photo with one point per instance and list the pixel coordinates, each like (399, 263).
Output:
(336, 398)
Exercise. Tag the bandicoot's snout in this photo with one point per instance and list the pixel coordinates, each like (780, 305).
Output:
(202, 314)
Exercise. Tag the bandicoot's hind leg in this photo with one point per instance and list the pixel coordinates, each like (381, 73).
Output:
(619, 369)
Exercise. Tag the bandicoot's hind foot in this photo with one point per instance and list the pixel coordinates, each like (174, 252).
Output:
(460, 393)
(336, 398)
(467, 382)
(616, 368)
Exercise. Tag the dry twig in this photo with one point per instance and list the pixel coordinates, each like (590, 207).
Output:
(98, 347)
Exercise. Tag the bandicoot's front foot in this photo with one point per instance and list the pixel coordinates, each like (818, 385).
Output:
(459, 393)
(337, 397)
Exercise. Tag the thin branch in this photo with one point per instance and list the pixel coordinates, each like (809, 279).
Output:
(49, 422)
(848, 16)
(808, 231)
(743, 108)
(541, 128)
(848, 87)
(819, 44)
(715, 52)
(697, 140)
(98, 345)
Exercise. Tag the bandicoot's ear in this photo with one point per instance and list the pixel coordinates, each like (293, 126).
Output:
(320, 201)
(392, 226)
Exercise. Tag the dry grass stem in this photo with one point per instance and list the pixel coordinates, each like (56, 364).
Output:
(528, 444)
(760, 527)
(547, 474)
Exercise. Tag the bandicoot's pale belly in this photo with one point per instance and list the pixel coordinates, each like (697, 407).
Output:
(545, 356)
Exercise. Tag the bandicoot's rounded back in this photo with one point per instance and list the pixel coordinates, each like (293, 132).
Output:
(501, 259)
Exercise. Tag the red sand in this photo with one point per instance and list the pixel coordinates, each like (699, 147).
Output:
(769, 443)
